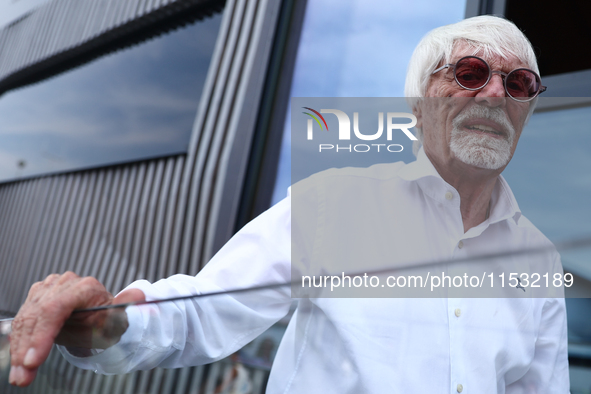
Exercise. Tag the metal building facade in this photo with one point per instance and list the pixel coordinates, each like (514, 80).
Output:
(153, 218)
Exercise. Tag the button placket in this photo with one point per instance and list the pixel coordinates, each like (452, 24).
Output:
(457, 313)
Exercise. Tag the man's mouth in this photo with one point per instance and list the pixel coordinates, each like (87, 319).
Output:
(485, 129)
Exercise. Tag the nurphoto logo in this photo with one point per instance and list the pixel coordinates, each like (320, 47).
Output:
(344, 130)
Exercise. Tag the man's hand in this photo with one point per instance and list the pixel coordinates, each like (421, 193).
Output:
(45, 318)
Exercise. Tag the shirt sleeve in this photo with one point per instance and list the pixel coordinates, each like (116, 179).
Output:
(205, 329)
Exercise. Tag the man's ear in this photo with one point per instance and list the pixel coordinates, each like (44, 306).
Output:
(418, 112)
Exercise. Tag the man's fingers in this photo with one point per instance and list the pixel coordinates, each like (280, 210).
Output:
(25, 357)
(39, 321)
(21, 376)
(32, 337)
(33, 331)
(31, 352)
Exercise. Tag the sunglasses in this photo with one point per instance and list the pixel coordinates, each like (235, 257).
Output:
(473, 73)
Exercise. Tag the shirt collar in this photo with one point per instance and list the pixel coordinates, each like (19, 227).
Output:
(503, 205)
(503, 202)
(419, 168)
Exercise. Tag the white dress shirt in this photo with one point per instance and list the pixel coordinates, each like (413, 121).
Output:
(391, 214)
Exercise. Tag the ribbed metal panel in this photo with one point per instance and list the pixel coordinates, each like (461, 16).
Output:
(64, 378)
(91, 222)
(227, 127)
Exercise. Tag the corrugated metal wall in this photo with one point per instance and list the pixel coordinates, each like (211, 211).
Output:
(72, 31)
(93, 223)
(148, 219)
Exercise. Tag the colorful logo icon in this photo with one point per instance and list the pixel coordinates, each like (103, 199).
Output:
(315, 118)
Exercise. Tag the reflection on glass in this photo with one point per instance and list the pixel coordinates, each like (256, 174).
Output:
(550, 178)
(553, 160)
(340, 340)
(133, 104)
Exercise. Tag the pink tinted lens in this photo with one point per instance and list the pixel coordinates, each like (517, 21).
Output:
(472, 73)
(522, 83)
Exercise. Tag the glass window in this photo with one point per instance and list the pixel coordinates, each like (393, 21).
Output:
(552, 161)
(549, 175)
(13, 10)
(348, 49)
(134, 104)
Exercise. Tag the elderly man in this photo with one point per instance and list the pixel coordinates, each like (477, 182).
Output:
(452, 203)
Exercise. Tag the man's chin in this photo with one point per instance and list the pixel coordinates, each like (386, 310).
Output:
(482, 157)
(481, 151)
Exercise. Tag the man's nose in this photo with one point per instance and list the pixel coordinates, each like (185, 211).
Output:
(493, 94)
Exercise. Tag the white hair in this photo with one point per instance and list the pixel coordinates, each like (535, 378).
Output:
(487, 35)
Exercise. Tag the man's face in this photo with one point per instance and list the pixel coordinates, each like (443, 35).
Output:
(474, 129)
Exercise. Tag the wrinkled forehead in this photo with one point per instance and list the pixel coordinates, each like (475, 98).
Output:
(495, 57)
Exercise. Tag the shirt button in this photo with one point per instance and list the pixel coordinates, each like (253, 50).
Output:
(458, 312)
(449, 195)
(460, 388)
(460, 244)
